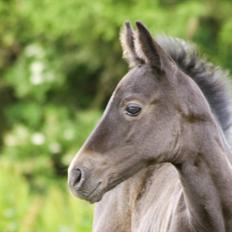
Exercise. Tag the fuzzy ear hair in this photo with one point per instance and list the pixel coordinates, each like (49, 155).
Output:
(149, 49)
(128, 45)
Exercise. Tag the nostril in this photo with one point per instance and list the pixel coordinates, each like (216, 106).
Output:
(76, 176)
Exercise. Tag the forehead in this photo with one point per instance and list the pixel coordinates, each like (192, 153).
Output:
(139, 81)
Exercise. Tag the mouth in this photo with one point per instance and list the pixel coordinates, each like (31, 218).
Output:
(99, 191)
(92, 196)
(92, 190)
(95, 195)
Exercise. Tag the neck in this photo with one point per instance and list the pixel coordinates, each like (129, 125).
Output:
(206, 177)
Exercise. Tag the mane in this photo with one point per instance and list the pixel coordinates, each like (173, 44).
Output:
(212, 80)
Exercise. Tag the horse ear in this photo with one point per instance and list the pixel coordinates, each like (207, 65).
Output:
(128, 45)
(149, 49)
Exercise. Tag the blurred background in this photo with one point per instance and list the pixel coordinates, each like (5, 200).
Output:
(59, 62)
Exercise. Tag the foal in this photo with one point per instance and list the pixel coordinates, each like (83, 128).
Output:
(160, 145)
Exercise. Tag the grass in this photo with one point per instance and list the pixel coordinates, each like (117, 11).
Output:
(55, 210)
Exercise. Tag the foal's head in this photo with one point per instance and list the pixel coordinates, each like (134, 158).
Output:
(144, 121)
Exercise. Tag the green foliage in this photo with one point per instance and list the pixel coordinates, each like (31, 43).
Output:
(55, 133)
(59, 61)
(54, 211)
(14, 198)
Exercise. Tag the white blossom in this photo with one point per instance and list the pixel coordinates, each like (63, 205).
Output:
(38, 139)
(37, 76)
(55, 147)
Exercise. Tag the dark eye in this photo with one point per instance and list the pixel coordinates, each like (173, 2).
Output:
(133, 110)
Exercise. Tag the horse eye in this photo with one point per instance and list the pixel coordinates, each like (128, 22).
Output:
(133, 110)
